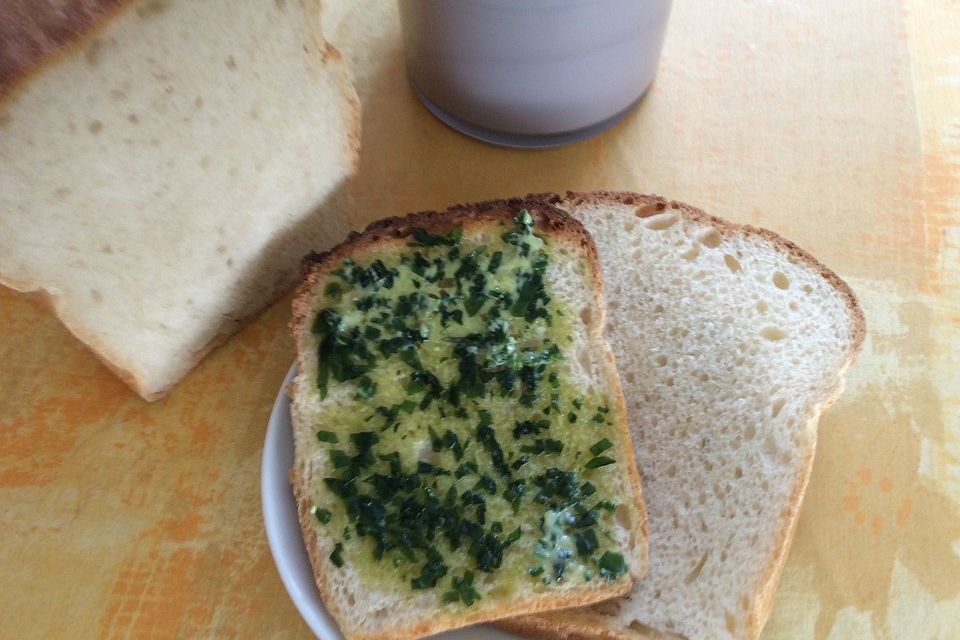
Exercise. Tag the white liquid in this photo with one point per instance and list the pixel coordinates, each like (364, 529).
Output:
(533, 67)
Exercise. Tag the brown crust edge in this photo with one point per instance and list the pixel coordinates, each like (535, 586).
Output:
(80, 34)
(548, 218)
(766, 587)
(573, 625)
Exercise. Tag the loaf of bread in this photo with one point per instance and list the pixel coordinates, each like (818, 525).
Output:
(729, 341)
(461, 444)
(164, 165)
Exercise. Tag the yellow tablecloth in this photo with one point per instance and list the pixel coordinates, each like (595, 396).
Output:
(836, 124)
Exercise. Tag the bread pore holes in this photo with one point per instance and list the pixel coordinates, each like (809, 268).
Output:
(731, 622)
(732, 263)
(781, 281)
(762, 306)
(643, 629)
(773, 333)
(710, 239)
(697, 568)
(661, 221)
(586, 316)
(776, 407)
(648, 210)
(661, 360)
(691, 253)
(719, 491)
(750, 432)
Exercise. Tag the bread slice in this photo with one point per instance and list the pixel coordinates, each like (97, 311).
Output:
(730, 341)
(164, 166)
(467, 342)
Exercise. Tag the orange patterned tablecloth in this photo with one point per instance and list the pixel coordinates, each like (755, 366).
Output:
(836, 124)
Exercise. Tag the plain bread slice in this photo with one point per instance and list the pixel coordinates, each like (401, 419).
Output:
(164, 166)
(730, 341)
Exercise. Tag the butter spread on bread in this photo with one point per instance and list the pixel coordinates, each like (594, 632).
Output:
(461, 445)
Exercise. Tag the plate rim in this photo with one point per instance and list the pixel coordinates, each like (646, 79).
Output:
(279, 508)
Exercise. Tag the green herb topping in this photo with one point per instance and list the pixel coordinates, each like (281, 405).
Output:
(459, 446)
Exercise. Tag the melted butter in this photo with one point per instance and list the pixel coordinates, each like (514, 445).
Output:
(545, 541)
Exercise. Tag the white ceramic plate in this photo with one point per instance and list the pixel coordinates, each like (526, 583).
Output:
(283, 530)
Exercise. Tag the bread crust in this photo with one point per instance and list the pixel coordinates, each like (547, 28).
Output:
(35, 33)
(395, 230)
(576, 625)
(547, 217)
(573, 625)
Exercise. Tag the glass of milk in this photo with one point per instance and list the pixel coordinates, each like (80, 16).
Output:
(532, 73)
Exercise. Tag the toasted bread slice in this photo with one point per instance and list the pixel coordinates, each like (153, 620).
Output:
(730, 342)
(462, 452)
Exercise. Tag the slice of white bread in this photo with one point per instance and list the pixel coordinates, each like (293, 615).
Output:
(165, 164)
(730, 341)
(375, 599)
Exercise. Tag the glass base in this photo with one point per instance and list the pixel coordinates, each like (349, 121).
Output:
(521, 141)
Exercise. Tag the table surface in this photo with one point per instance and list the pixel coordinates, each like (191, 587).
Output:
(835, 124)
